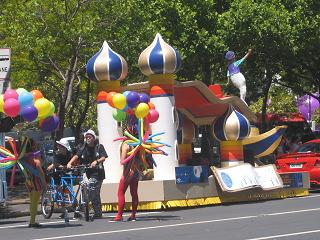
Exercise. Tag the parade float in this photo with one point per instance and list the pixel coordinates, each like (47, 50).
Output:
(173, 105)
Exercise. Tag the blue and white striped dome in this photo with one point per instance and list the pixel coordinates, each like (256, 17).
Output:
(231, 126)
(107, 65)
(159, 58)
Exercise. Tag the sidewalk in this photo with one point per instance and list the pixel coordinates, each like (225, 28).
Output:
(17, 204)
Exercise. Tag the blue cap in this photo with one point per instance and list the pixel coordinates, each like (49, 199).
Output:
(229, 55)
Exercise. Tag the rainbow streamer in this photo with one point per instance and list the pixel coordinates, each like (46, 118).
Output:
(9, 159)
(142, 144)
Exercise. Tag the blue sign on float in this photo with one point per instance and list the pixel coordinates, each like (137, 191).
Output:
(292, 180)
(191, 174)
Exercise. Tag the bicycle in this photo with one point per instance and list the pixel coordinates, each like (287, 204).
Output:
(64, 194)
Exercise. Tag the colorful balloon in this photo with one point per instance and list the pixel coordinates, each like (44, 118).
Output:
(10, 93)
(110, 97)
(43, 106)
(1, 103)
(119, 101)
(119, 115)
(25, 99)
(153, 116)
(36, 94)
(142, 110)
(151, 105)
(52, 110)
(133, 99)
(11, 107)
(307, 106)
(21, 90)
(29, 113)
(144, 97)
(50, 124)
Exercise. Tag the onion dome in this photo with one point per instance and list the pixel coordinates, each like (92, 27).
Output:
(107, 65)
(159, 58)
(231, 126)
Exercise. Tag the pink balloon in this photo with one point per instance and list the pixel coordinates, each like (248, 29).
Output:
(153, 116)
(11, 107)
(10, 93)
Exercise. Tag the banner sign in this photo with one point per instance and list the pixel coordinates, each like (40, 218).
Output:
(191, 174)
(292, 180)
(245, 176)
(5, 63)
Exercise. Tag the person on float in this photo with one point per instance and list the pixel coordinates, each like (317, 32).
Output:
(35, 178)
(234, 73)
(130, 176)
(92, 153)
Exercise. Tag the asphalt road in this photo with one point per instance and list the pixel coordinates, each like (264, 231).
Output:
(294, 218)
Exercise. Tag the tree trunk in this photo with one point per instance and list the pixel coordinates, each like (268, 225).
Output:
(265, 99)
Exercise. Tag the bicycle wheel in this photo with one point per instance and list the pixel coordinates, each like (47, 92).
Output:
(85, 202)
(47, 203)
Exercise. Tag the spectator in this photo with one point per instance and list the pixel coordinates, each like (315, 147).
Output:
(294, 144)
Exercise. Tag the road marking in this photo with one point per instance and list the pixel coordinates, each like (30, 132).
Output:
(285, 235)
(74, 220)
(179, 224)
(146, 228)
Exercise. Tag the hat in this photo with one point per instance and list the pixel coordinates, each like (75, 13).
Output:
(64, 143)
(229, 55)
(90, 131)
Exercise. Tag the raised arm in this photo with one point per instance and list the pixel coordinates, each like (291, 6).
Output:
(248, 54)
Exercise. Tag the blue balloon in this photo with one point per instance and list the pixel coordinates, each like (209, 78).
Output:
(29, 113)
(50, 124)
(144, 97)
(25, 99)
(132, 99)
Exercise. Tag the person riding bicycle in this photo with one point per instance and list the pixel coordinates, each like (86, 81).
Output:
(93, 154)
(62, 155)
(61, 158)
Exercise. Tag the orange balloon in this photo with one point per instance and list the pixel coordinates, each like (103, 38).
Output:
(109, 98)
(151, 105)
(36, 94)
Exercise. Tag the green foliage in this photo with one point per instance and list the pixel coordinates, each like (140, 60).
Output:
(280, 101)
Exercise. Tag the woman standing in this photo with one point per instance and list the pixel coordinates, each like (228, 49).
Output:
(35, 178)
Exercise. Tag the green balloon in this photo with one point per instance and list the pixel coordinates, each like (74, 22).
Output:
(119, 115)
(21, 90)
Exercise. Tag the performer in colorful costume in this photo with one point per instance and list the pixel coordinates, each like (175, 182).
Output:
(234, 73)
(29, 162)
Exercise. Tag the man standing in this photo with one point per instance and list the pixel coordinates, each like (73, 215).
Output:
(93, 154)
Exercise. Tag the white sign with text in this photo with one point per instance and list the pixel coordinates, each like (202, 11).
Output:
(5, 63)
(245, 176)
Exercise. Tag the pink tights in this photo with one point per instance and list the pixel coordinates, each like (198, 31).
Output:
(123, 186)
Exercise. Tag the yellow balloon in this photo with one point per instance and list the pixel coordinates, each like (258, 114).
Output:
(52, 109)
(1, 103)
(43, 106)
(119, 101)
(142, 110)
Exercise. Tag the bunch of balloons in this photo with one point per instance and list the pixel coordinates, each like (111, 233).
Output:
(30, 106)
(132, 103)
(139, 113)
